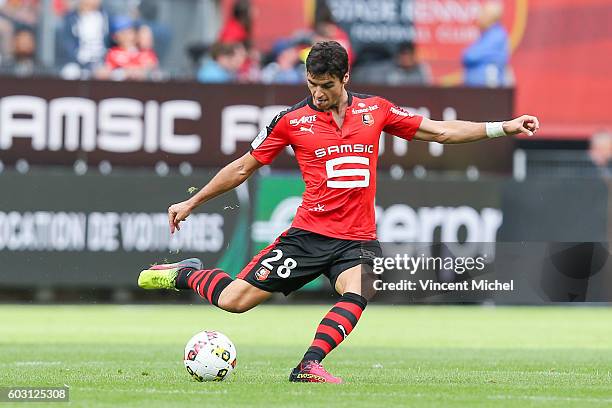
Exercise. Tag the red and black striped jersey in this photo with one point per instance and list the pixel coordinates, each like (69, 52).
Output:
(338, 165)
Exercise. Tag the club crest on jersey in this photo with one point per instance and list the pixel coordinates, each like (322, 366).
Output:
(262, 274)
(367, 119)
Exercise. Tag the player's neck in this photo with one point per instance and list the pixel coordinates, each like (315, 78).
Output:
(342, 103)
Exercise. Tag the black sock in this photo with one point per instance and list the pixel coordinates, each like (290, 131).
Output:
(181, 278)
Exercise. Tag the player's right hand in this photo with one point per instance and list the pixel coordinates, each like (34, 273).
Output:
(176, 213)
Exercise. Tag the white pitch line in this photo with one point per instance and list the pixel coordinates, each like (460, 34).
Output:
(549, 398)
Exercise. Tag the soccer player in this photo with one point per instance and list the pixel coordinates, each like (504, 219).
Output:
(334, 134)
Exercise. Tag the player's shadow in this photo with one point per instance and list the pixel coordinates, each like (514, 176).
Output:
(569, 268)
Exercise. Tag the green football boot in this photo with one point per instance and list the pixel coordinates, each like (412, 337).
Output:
(164, 276)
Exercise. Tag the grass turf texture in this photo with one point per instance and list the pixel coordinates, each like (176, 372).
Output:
(398, 356)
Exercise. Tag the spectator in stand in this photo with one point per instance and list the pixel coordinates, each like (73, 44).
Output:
(485, 61)
(237, 29)
(145, 40)
(287, 67)
(373, 65)
(600, 152)
(224, 64)
(6, 35)
(383, 69)
(326, 29)
(15, 15)
(407, 70)
(23, 62)
(148, 16)
(84, 39)
(126, 60)
(145, 37)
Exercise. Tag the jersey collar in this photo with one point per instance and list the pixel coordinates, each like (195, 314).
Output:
(314, 107)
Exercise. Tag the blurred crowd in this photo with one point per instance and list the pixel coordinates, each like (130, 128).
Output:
(90, 42)
(232, 58)
(93, 42)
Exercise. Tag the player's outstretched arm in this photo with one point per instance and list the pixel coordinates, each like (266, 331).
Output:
(458, 131)
(225, 180)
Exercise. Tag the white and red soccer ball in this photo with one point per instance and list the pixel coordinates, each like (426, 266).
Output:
(210, 356)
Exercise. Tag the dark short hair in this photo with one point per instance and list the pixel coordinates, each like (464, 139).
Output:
(327, 57)
(22, 28)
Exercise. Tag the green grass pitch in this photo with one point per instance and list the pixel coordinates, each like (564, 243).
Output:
(124, 356)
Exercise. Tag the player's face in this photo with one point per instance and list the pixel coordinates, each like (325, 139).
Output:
(326, 90)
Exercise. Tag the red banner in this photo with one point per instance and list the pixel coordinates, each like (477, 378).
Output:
(563, 66)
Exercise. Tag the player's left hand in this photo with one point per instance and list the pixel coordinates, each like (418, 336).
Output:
(525, 124)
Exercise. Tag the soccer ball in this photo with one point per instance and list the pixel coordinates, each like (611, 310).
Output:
(210, 356)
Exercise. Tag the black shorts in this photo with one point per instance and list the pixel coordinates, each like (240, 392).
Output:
(299, 256)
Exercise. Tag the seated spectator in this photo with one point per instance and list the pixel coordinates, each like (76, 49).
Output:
(250, 70)
(286, 68)
(485, 61)
(600, 152)
(14, 15)
(407, 70)
(326, 29)
(383, 69)
(84, 39)
(6, 37)
(373, 65)
(126, 60)
(223, 66)
(238, 29)
(148, 16)
(23, 62)
(145, 40)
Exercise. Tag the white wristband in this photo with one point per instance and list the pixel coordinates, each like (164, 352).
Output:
(495, 129)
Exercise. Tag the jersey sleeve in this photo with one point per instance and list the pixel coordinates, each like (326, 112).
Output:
(399, 122)
(271, 140)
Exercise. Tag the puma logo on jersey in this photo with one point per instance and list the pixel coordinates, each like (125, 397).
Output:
(307, 129)
(318, 208)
